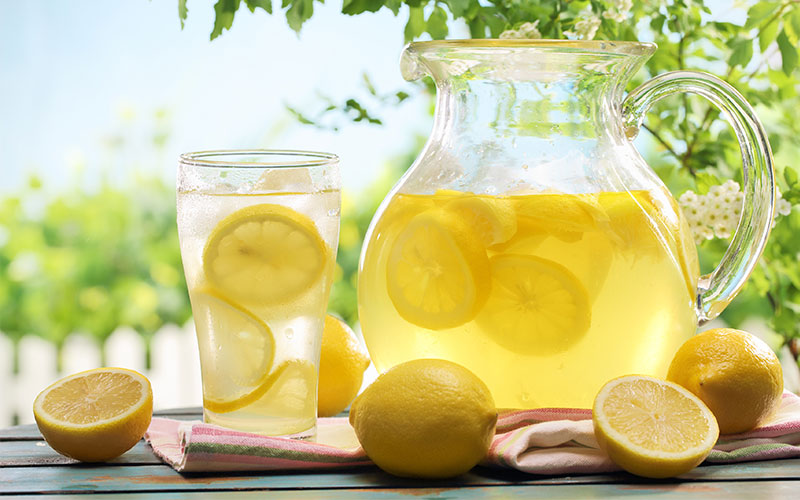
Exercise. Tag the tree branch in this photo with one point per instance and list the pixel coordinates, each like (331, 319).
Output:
(666, 145)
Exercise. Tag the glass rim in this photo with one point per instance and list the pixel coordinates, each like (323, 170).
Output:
(598, 46)
(284, 158)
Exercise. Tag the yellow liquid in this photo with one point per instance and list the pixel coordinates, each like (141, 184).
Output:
(623, 267)
(282, 398)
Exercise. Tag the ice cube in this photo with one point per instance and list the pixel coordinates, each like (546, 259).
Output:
(285, 179)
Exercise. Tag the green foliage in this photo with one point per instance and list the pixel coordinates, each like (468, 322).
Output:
(90, 261)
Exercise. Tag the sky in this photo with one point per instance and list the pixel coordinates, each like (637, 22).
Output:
(77, 76)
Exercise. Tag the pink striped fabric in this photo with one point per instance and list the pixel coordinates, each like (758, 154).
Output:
(542, 441)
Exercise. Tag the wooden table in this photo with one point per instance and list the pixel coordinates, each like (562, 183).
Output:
(29, 467)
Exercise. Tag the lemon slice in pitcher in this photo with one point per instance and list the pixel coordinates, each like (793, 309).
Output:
(493, 219)
(236, 350)
(264, 254)
(537, 306)
(437, 272)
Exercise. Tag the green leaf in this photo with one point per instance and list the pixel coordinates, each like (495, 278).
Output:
(788, 53)
(790, 175)
(355, 7)
(437, 23)
(458, 7)
(742, 52)
(704, 181)
(416, 23)
(477, 28)
(300, 12)
(760, 12)
(767, 35)
(225, 10)
(394, 5)
(263, 4)
(792, 27)
(657, 23)
(182, 11)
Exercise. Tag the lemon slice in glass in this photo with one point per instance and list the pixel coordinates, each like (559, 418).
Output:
(290, 391)
(236, 351)
(653, 428)
(536, 307)
(264, 254)
(492, 218)
(437, 273)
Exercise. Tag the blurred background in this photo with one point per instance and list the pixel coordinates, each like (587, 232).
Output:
(98, 99)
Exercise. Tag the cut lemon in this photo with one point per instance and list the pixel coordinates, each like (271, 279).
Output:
(264, 254)
(493, 219)
(653, 428)
(290, 391)
(437, 271)
(95, 415)
(636, 223)
(642, 223)
(565, 216)
(537, 306)
(236, 352)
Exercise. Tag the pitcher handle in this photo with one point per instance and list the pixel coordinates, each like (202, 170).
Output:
(718, 288)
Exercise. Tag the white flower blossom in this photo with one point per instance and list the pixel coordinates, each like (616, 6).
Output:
(586, 27)
(619, 10)
(717, 213)
(783, 207)
(525, 31)
(530, 30)
(510, 35)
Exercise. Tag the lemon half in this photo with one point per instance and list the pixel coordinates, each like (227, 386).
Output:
(264, 254)
(95, 415)
(653, 428)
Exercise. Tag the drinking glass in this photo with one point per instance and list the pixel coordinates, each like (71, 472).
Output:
(258, 234)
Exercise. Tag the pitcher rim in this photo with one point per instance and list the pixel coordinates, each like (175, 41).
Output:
(596, 46)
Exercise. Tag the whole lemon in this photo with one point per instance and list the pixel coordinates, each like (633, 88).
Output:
(341, 367)
(735, 373)
(425, 418)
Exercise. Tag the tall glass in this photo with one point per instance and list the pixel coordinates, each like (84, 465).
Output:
(258, 234)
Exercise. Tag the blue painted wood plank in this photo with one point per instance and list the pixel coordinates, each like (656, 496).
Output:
(105, 478)
(746, 490)
(90, 478)
(39, 453)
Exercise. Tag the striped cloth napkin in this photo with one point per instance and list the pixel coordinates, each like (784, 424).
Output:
(541, 441)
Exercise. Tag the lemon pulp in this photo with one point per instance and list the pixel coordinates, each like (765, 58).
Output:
(435, 269)
(264, 254)
(536, 306)
(652, 427)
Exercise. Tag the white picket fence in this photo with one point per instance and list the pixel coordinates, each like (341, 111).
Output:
(174, 370)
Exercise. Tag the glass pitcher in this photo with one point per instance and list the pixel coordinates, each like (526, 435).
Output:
(530, 241)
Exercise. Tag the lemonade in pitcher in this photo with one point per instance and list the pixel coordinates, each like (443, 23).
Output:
(258, 248)
(530, 241)
(526, 289)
